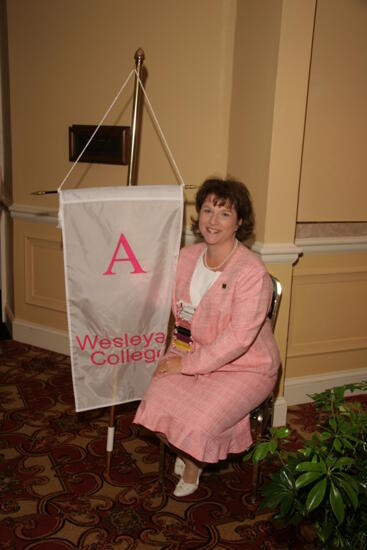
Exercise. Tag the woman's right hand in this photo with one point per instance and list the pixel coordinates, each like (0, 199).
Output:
(170, 364)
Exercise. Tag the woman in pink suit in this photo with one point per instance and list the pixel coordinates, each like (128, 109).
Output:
(223, 360)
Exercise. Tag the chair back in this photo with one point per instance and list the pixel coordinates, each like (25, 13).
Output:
(275, 303)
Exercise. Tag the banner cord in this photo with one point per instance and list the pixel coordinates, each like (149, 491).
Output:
(161, 134)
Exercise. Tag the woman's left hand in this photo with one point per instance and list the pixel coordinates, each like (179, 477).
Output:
(168, 365)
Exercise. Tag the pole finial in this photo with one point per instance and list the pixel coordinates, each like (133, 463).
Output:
(139, 56)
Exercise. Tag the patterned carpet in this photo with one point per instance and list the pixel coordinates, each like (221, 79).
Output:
(54, 495)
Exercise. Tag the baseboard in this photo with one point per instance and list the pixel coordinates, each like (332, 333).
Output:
(41, 336)
(280, 412)
(297, 390)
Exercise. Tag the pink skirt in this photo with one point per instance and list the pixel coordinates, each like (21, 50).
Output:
(205, 416)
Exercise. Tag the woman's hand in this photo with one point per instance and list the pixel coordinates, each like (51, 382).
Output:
(168, 365)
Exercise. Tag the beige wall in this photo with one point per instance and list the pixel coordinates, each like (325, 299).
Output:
(6, 189)
(333, 184)
(272, 57)
(254, 78)
(67, 61)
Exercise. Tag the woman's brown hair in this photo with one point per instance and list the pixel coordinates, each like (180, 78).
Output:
(236, 194)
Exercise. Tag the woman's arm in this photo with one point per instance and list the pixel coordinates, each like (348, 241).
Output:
(251, 302)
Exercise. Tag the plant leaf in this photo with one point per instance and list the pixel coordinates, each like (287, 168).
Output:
(324, 529)
(352, 495)
(307, 478)
(247, 456)
(280, 433)
(309, 467)
(287, 478)
(272, 446)
(349, 479)
(271, 501)
(332, 423)
(316, 495)
(285, 505)
(260, 452)
(337, 503)
(344, 461)
(337, 444)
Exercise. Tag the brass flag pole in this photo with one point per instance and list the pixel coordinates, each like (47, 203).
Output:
(135, 129)
(131, 180)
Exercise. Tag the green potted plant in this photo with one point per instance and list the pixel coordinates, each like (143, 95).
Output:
(325, 481)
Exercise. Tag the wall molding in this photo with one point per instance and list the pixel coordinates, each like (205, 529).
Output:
(316, 279)
(274, 253)
(277, 253)
(41, 336)
(322, 245)
(322, 347)
(269, 252)
(37, 214)
(296, 389)
(33, 296)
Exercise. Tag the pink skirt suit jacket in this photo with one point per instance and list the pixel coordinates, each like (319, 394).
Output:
(233, 365)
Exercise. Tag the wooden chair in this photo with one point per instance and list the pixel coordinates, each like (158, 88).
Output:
(261, 416)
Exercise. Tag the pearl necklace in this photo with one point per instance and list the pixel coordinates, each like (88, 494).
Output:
(225, 259)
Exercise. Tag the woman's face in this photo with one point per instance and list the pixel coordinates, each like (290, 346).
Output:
(218, 221)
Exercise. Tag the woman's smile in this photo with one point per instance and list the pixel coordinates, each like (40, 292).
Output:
(218, 221)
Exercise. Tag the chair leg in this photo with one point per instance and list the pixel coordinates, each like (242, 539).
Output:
(162, 457)
(256, 467)
(255, 481)
(263, 420)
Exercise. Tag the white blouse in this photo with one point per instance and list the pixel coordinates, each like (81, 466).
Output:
(202, 279)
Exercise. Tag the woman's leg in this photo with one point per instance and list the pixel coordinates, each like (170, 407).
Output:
(191, 467)
(191, 471)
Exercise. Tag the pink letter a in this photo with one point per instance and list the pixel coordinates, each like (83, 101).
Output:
(131, 257)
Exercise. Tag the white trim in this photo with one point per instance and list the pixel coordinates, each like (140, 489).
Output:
(277, 253)
(320, 245)
(110, 438)
(269, 253)
(188, 236)
(37, 214)
(41, 336)
(280, 411)
(296, 390)
(283, 253)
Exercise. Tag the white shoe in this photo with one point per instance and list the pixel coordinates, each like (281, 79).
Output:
(184, 489)
(179, 467)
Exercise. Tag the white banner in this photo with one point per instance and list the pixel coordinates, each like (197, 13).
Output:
(121, 246)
